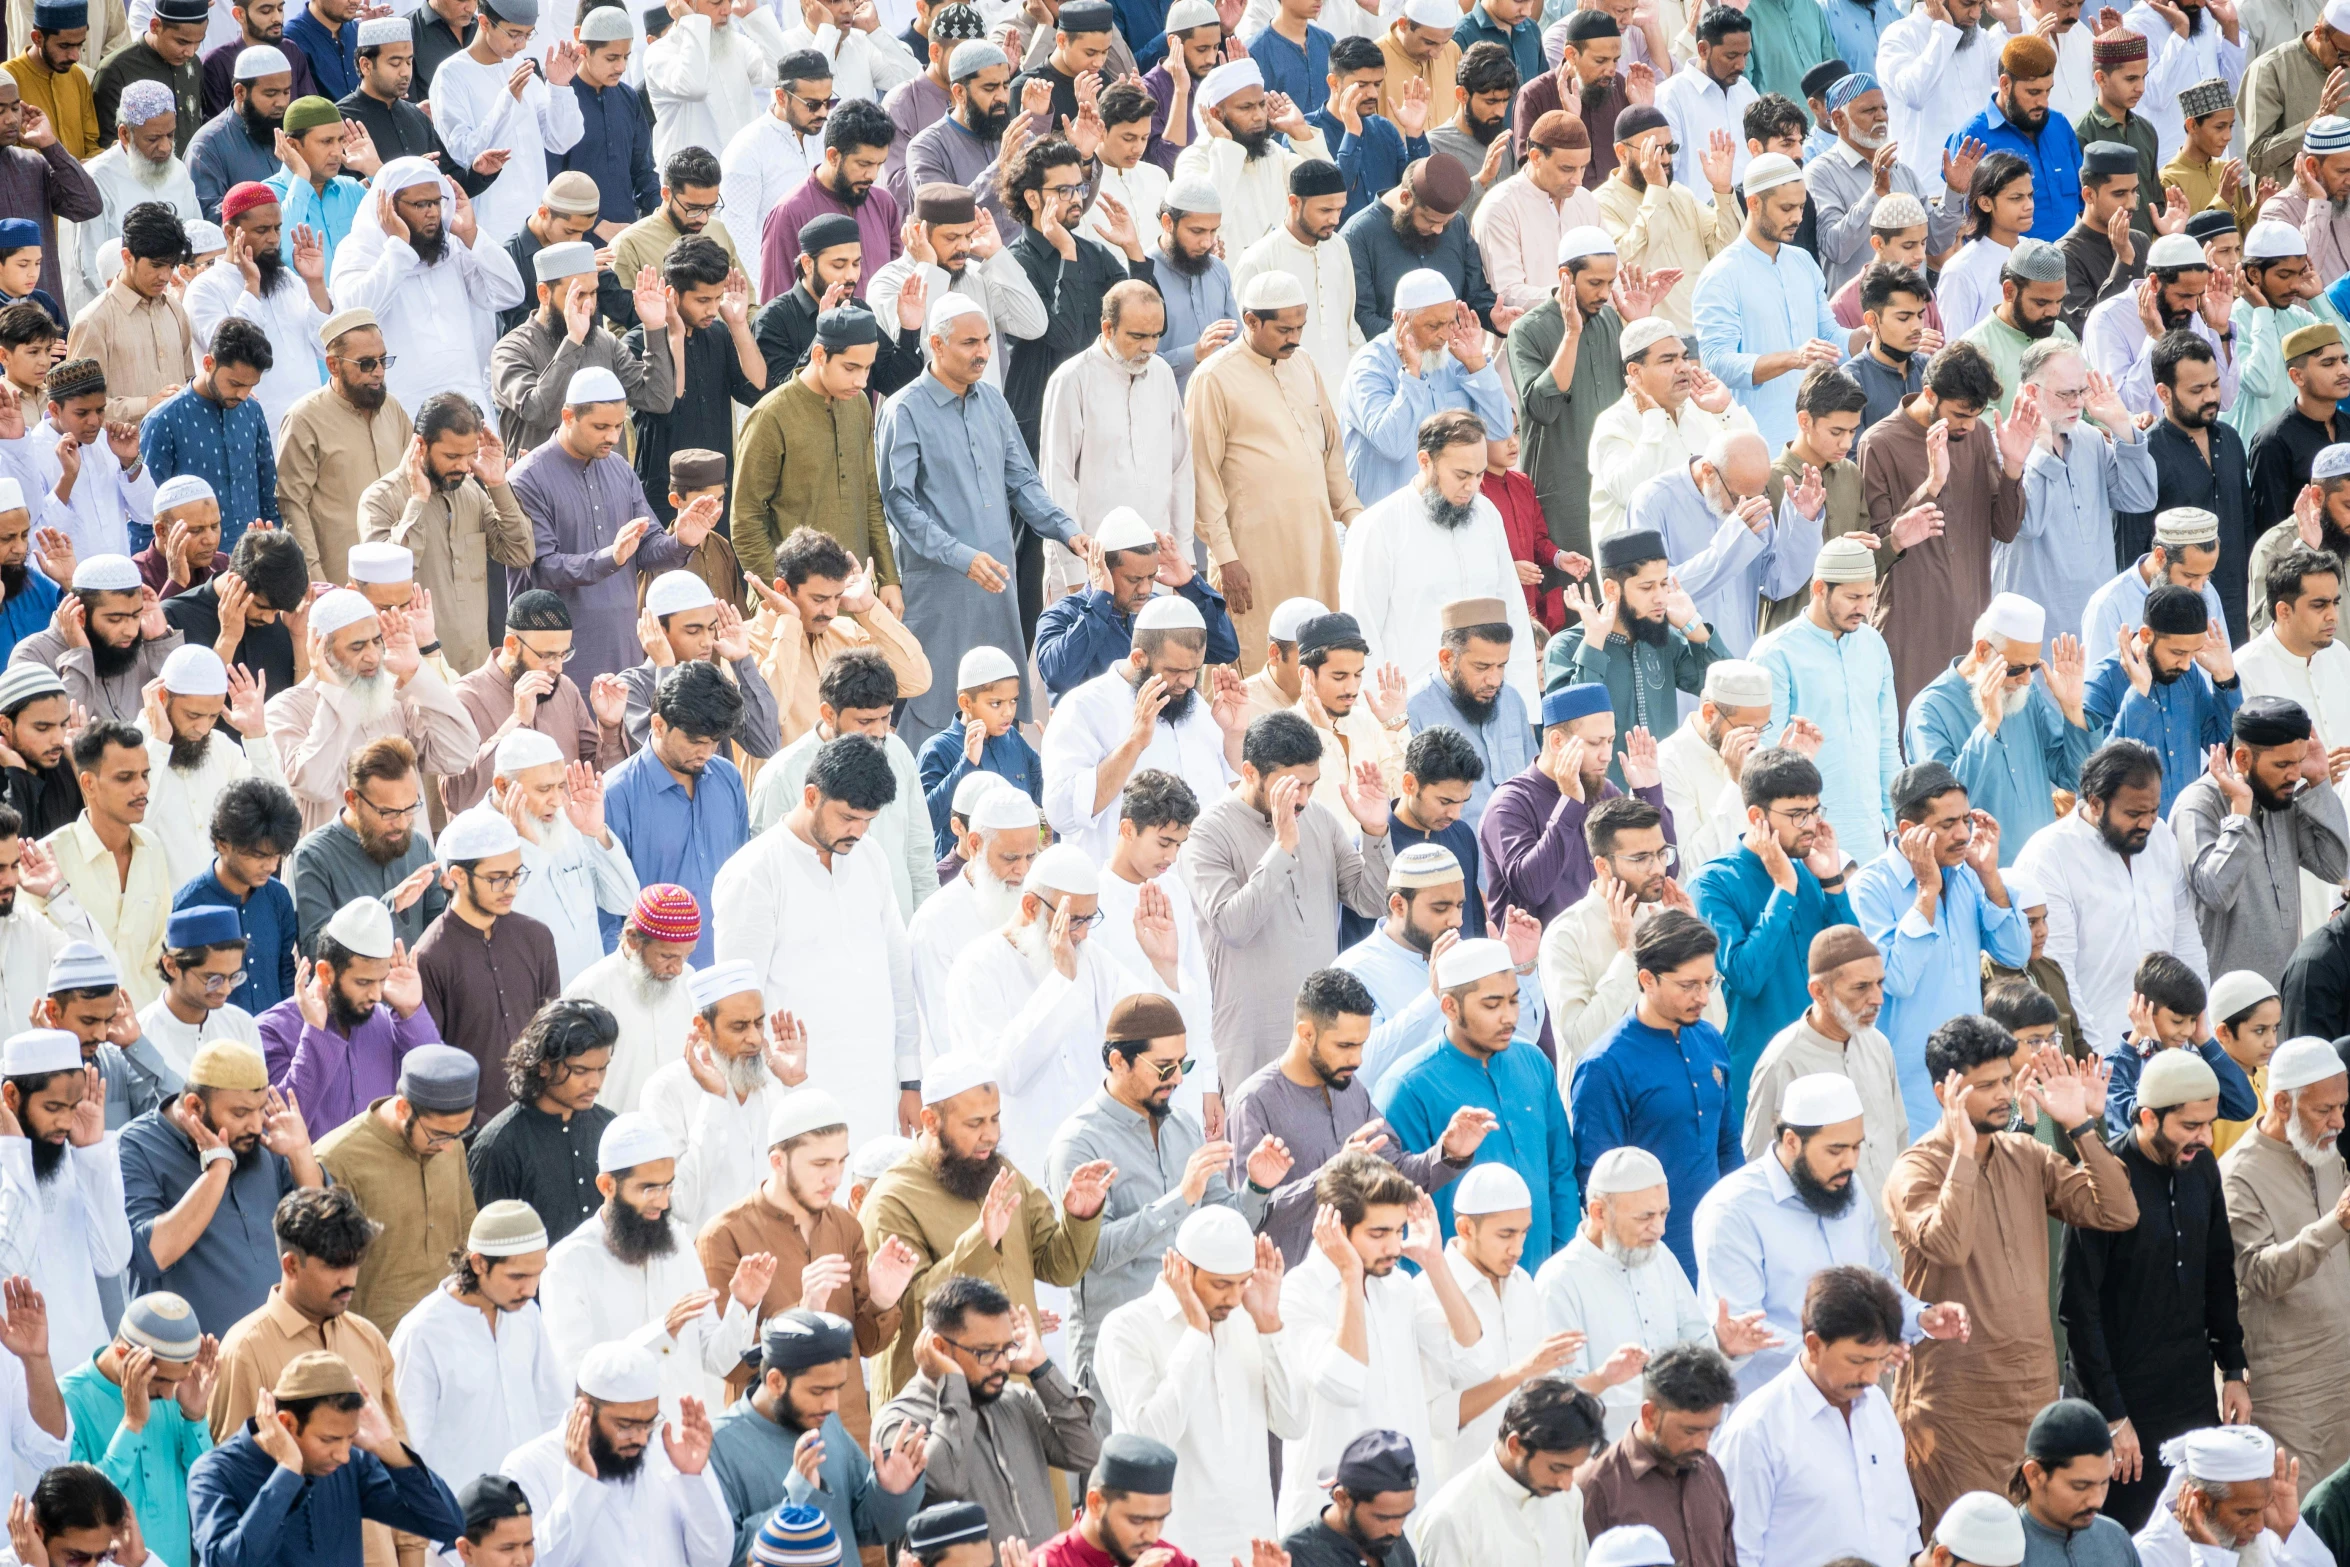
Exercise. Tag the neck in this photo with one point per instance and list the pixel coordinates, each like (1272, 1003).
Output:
(2040, 1516)
(367, 86)
(2113, 111)
(1649, 1015)
(1300, 235)
(1824, 1025)
(1298, 1069)
(1920, 411)
(2289, 638)
(465, 909)
(779, 1196)
(1817, 613)
(187, 1011)
(479, 49)
(548, 1106)
(112, 831)
(1842, 1405)
(1761, 239)
(1469, 1047)
(686, 779)
(110, 1364)
(2318, 409)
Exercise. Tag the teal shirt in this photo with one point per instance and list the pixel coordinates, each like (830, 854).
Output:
(2014, 773)
(1765, 956)
(148, 1466)
(1790, 37)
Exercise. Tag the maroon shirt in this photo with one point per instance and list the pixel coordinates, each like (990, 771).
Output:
(155, 571)
(1692, 1511)
(1071, 1549)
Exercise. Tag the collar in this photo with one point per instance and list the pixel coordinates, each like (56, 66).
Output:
(1843, 153)
(391, 1141)
(292, 1323)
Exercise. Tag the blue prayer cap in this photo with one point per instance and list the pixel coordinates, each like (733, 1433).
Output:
(1569, 703)
(795, 1537)
(202, 925)
(18, 233)
(1846, 88)
(162, 1322)
(60, 16)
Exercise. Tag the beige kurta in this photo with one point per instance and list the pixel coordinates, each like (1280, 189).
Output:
(328, 453)
(1974, 1230)
(146, 346)
(316, 728)
(456, 535)
(428, 1199)
(2293, 1293)
(795, 661)
(1269, 481)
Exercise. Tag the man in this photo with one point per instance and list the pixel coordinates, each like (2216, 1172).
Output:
(217, 431)
(2265, 809)
(708, 76)
(388, 1153)
(1831, 669)
(542, 1148)
(2303, 594)
(1516, 1496)
(575, 868)
(1670, 410)
(521, 686)
(1301, 246)
(2221, 1498)
(334, 443)
(856, 143)
(1084, 634)
(1716, 520)
(2055, 557)
(1564, 367)
(108, 862)
(2277, 276)
(67, 1175)
(1469, 693)
(1749, 343)
(1234, 149)
(716, 1103)
(2318, 366)
(2186, 552)
(380, 106)
(2068, 1466)
(40, 176)
(1112, 429)
(1531, 836)
(1418, 227)
(2171, 686)
(689, 205)
(158, 1414)
(483, 967)
(139, 167)
(191, 757)
(1373, 1487)
(962, 149)
(238, 145)
(822, 606)
(165, 52)
(1851, 177)
(50, 76)
(2009, 739)
(107, 641)
(543, 348)
(1659, 225)
(676, 804)
(642, 983)
(1659, 1473)
(2018, 120)
(1518, 232)
(2029, 308)
(340, 1041)
(485, 97)
(371, 848)
(771, 156)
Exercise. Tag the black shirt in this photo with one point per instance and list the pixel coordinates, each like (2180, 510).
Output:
(703, 415)
(613, 302)
(267, 652)
(436, 40)
(45, 800)
(2282, 451)
(786, 325)
(2316, 987)
(399, 129)
(1064, 89)
(1319, 1545)
(2183, 478)
(542, 1160)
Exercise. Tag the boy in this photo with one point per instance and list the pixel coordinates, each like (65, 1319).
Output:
(2167, 1013)
(722, 365)
(987, 694)
(2203, 171)
(2247, 1016)
(694, 473)
(20, 268)
(1539, 561)
(1830, 408)
(29, 345)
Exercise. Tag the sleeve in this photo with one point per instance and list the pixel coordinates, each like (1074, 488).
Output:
(2270, 1265)
(2081, 1308)
(919, 531)
(231, 1531)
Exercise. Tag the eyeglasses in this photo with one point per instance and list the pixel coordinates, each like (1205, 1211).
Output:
(1798, 818)
(500, 881)
(1079, 922)
(390, 813)
(559, 655)
(694, 209)
(993, 1355)
(1168, 1070)
(369, 364)
(1070, 189)
(214, 983)
(1665, 858)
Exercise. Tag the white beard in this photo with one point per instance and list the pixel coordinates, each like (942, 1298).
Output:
(2012, 702)
(151, 175)
(1034, 943)
(647, 991)
(1870, 143)
(744, 1074)
(2314, 1152)
(374, 695)
(993, 897)
(1629, 1256)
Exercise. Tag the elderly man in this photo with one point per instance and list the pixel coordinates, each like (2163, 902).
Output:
(2264, 811)
(573, 864)
(1837, 1034)
(717, 1102)
(2233, 1485)
(643, 983)
(1113, 433)
(1385, 404)
(1670, 410)
(140, 167)
(1728, 545)
(2075, 479)
(1849, 179)
(999, 841)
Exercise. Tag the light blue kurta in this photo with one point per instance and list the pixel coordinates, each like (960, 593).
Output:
(1747, 305)
(1504, 742)
(2011, 774)
(1933, 972)
(1844, 685)
(1194, 303)
(1381, 410)
(1406, 1013)
(1520, 1087)
(1727, 567)
(2121, 601)
(2058, 559)
(2263, 390)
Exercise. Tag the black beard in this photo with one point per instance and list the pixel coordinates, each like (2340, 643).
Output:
(1451, 516)
(635, 1239)
(1596, 91)
(847, 195)
(1476, 712)
(2037, 331)
(2268, 799)
(13, 580)
(2173, 320)
(1486, 130)
(186, 753)
(48, 1159)
(271, 264)
(2161, 677)
(2194, 418)
(988, 124)
(1829, 1202)
(1178, 706)
(431, 247)
(1377, 1550)
(1656, 633)
(367, 399)
(609, 1464)
(1255, 143)
(261, 127)
(1189, 266)
(342, 1014)
(2030, 124)
(1336, 1079)
(967, 1178)
(1408, 235)
(2123, 843)
(110, 660)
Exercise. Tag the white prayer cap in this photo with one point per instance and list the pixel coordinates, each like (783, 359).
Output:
(1625, 1169)
(205, 238)
(2238, 990)
(1270, 290)
(1003, 810)
(182, 489)
(1169, 612)
(405, 174)
(984, 665)
(1737, 682)
(1770, 169)
(2014, 618)
(1184, 15)
(363, 927)
(1225, 80)
(2337, 15)
(1123, 529)
(617, 1371)
(508, 1227)
(11, 495)
(116, 574)
(377, 31)
(803, 1110)
(878, 1154)
(595, 384)
(1424, 287)
(2301, 1062)
(1982, 1530)
(1213, 1240)
(2224, 1453)
(382, 563)
(1064, 868)
(2174, 1078)
(261, 60)
(1900, 210)
(1424, 865)
(1470, 961)
(958, 1071)
(674, 592)
(339, 607)
(632, 1139)
(1289, 617)
(2175, 250)
(523, 750)
(55, 1050)
(1434, 13)
(478, 834)
(1844, 559)
(1642, 335)
(2331, 462)
(195, 670)
(2176, 527)
(80, 966)
(2023, 892)
(1492, 1187)
(2271, 240)
(709, 986)
(1819, 1099)
(1587, 239)
(969, 791)
(949, 305)
(1630, 1545)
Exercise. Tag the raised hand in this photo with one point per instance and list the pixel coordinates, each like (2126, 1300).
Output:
(997, 1209)
(1641, 768)
(283, 1131)
(1716, 161)
(1088, 1188)
(274, 1439)
(897, 1467)
(1331, 1241)
(687, 1440)
(889, 1268)
(2232, 785)
(2133, 661)
(1742, 1334)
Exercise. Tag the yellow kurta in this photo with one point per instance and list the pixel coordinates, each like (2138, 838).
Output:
(1270, 481)
(2226, 1134)
(1437, 71)
(65, 99)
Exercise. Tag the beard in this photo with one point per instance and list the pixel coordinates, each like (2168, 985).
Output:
(1475, 711)
(2027, 121)
(263, 128)
(1179, 706)
(1829, 1202)
(635, 1239)
(1847, 1019)
(387, 848)
(367, 399)
(610, 1465)
(271, 264)
(149, 173)
(1188, 266)
(1640, 628)
(1868, 141)
(48, 1159)
(2314, 1152)
(187, 754)
(994, 897)
(1629, 1256)
(1451, 516)
(1377, 1550)
(988, 124)
(430, 247)
(743, 1073)
(373, 696)
(648, 990)
(343, 1013)
(1254, 144)
(13, 580)
(848, 195)
(110, 660)
(2122, 841)
(1596, 91)
(2037, 331)
(2012, 702)
(1408, 235)
(2164, 677)
(965, 1177)
(1487, 131)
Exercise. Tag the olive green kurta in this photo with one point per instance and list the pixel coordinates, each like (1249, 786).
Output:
(1847, 513)
(805, 459)
(425, 1205)
(1554, 447)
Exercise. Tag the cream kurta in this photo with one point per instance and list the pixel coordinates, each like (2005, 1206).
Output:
(1271, 480)
(1483, 1517)
(2293, 1293)
(1401, 568)
(1589, 984)
(1255, 191)
(1327, 273)
(316, 727)
(328, 453)
(1664, 226)
(1801, 1050)
(793, 661)
(128, 911)
(1613, 1303)
(1708, 811)
(179, 804)
(654, 1019)
(1113, 435)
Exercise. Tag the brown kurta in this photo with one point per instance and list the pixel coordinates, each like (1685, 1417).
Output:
(756, 1225)
(1973, 1231)
(2293, 1292)
(1932, 594)
(945, 1232)
(456, 534)
(424, 1204)
(1269, 476)
(328, 453)
(563, 716)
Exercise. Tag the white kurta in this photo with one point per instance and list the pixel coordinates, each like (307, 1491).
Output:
(709, 82)
(1141, 190)
(289, 318)
(1211, 1397)
(178, 1042)
(765, 162)
(935, 937)
(179, 803)
(1483, 1517)
(1933, 86)
(655, 1518)
(1327, 273)
(474, 110)
(1708, 810)
(471, 1395)
(444, 317)
(591, 1297)
(73, 1233)
(1809, 1483)
(1094, 720)
(571, 877)
(651, 1035)
(29, 942)
(1014, 311)
(1513, 1330)
(2164, 1543)
(98, 515)
(2105, 913)
(724, 1138)
(831, 946)
(1113, 435)
(1412, 1360)
(1197, 1002)
(1583, 1289)
(900, 835)
(1256, 194)
(2177, 62)
(864, 65)
(1629, 447)
(1400, 570)
(1969, 288)
(2321, 684)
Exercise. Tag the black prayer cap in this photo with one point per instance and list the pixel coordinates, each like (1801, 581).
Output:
(2272, 720)
(2068, 1429)
(487, 1498)
(1311, 177)
(1631, 549)
(946, 1523)
(1924, 781)
(1332, 630)
(1136, 1463)
(1374, 1463)
(846, 326)
(2108, 157)
(1823, 76)
(2173, 611)
(797, 1339)
(827, 229)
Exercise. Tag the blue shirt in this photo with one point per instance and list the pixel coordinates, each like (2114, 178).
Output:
(1765, 956)
(326, 213)
(1461, 839)
(1193, 304)
(249, 1510)
(1747, 305)
(752, 1457)
(2059, 558)
(226, 1275)
(2128, 1058)
(616, 151)
(1667, 1092)
(1505, 741)
(674, 836)
(1372, 162)
(2182, 720)
(2011, 773)
(943, 766)
(1933, 972)
(334, 58)
(1521, 1089)
(270, 929)
(1143, 24)
(1304, 74)
(1523, 40)
(1081, 634)
(1405, 1015)
(1856, 25)
(1843, 684)
(2120, 603)
(27, 610)
(2054, 157)
(1381, 410)
(1728, 568)
(223, 154)
(228, 448)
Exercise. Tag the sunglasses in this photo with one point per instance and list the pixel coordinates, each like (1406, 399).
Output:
(368, 364)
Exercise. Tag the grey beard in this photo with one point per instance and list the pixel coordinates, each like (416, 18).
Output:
(152, 175)
(1451, 516)
(744, 1074)
(375, 695)
(644, 989)
(1629, 1256)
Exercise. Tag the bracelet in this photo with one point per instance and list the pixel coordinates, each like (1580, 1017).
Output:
(434, 646)
(1261, 1191)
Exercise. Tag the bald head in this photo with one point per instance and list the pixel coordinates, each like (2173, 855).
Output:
(1741, 461)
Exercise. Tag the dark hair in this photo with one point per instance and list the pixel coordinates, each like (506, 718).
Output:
(390, 757)
(1453, 427)
(325, 1224)
(302, 1408)
(1353, 1182)
(2169, 983)
(1153, 798)
(237, 341)
(1961, 372)
(1719, 22)
(25, 323)
(1025, 173)
(1278, 740)
(1319, 655)
(691, 168)
(1965, 1042)
(1671, 939)
(2287, 572)
(1355, 53)
(1776, 773)
(2117, 765)
(1485, 67)
(812, 553)
(2017, 1004)
(535, 610)
(1442, 754)
(1329, 994)
(1852, 1304)
(77, 1496)
(28, 1084)
(696, 261)
(1552, 1415)
(1124, 104)
(11, 824)
(857, 123)
(854, 770)
(1881, 280)
(446, 413)
(270, 563)
(962, 1296)
(2173, 347)
(1690, 1378)
(1828, 390)
(560, 1031)
(152, 231)
(803, 65)
(1459, 637)
(857, 680)
(697, 700)
(1616, 815)
(257, 816)
(1773, 115)
(1993, 175)
(89, 747)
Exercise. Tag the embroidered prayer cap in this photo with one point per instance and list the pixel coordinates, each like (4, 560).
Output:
(1587, 239)
(1169, 612)
(632, 1139)
(2013, 618)
(341, 321)
(1143, 1016)
(1123, 528)
(878, 1154)
(2299, 1063)
(1900, 210)
(1424, 865)
(2176, 1077)
(1625, 1169)
(1311, 177)
(949, 308)
(734, 977)
(595, 384)
(225, 1063)
(2116, 46)
(675, 592)
(1768, 170)
(667, 912)
(2205, 98)
(307, 114)
(1290, 615)
(1737, 682)
(40, 1051)
(485, 1499)
(1234, 76)
(799, 1338)
(1130, 1461)
(478, 834)
(1819, 1099)
(363, 928)
(2175, 252)
(803, 1110)
(1184, 15)
(258, 60)
(2037, 261)
(1585, 699)
(1005, 808)
(2234, 993)
(2271, 240)
(1630, 1545)
(2272, 720)
(201, 925)
(382, 563)
(618, 1372)
(318, 1374)
(67, 378)
(164, 1325)
(2179, 527)
(1846, 88)
(568, 259)
(2309, 339)
(377, 31)
(2229, 1454)
(339, 607)
(439, 1079)
(984, 665)
(1844, 559)
(107, 574)
(1642, 335)
(1424, 288)
(80, 966)
(1064, 868)
(1982, 1530)
(1217, 1240)
(195, 670)
(946, 1523)
(1470, 961)
(1491, 1187)
(2327, 134)
(956, 1072)
(508, 1227)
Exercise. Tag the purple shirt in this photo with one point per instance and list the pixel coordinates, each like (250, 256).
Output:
(877, 232)
(1161, 86)
(1536, 857)
(333, 1078)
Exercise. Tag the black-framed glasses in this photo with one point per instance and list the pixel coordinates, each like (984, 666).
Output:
(700, 209)
(558, 656)
(994, 1355)
(501, 881)
(1078, 922)
(1798, 818)
(390, 813)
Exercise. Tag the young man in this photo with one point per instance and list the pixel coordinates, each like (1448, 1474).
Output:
(144, 1394)
(204, 949)
(1891, 365)
(401, 1157)
(485, 969)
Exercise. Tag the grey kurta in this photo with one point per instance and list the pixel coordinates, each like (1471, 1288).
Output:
(2293, 1292)
(576, 511)
(532, 367)
(2240, 870)
(105, 696)
(1314, 1124)
(1555, 449)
